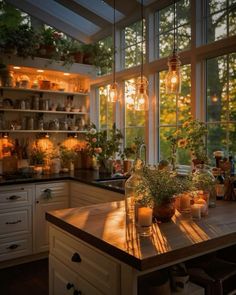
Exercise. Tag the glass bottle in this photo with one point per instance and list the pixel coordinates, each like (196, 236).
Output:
(131, 188)
(219, 185)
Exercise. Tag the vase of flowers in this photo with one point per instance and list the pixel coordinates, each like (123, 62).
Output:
(103, 146)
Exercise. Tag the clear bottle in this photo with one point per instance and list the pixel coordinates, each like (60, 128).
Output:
(131, 188)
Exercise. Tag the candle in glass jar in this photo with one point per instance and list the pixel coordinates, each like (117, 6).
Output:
(144, 216)
(196, 211)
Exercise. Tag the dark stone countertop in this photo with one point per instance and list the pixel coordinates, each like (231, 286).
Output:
(91, 177)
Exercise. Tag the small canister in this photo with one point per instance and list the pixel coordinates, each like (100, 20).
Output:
(30, 123)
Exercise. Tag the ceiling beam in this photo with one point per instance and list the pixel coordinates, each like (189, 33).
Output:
(80, 10)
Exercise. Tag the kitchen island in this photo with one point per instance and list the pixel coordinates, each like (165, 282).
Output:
(81, 239)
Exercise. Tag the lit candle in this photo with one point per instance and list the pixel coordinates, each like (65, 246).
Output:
(203, 205)
(144, 216)
(185, 203)
(196, 211)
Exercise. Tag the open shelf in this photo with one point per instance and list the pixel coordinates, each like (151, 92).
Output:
(42, 111)
(43, 91)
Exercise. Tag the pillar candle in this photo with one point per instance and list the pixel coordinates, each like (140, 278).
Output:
(144, 216)
(196, 211)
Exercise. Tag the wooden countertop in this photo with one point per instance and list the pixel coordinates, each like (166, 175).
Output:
(104, 227)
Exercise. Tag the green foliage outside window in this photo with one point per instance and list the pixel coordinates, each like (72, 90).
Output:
(221, 104)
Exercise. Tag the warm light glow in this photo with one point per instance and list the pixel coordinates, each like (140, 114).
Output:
(214, 98)
(66, 74)
(173, 77)
(141, 99)
(113, 93)
(16, 68)
(40, 71)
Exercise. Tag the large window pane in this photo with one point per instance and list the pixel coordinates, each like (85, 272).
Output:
(106, 109)
(221, 103)
(165, 28)
(134, 120)
(133, 44)
(221, 19)
(174, 110)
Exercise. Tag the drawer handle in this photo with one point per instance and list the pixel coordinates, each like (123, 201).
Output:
(13, 222)
(76, 257)
(69, 286)
(13, 198)
(12, 247)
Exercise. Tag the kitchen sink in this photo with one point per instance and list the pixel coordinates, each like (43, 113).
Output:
(118, 183)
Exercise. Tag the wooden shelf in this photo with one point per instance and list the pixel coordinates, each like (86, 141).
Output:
(43, 91)
(42, 131)
(42, 111)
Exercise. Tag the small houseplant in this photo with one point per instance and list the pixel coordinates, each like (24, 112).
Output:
(161, 185)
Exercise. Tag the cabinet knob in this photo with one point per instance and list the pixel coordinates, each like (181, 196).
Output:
(69, 286)
(13, 246)
(76, 257)
(13, 198)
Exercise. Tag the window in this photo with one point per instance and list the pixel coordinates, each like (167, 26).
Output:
(221, 19)
(132, 44)
(106, 109)
(134, 120)
(173, 110)
(165, 28)
(105, 61)
(221, 103)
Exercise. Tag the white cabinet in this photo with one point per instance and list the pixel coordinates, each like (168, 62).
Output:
(75, 262)
(48, 196)
(16, 221)
(83, 194)
(66, 281)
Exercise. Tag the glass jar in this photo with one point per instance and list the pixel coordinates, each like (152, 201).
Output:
(204, 180)
(131, 192)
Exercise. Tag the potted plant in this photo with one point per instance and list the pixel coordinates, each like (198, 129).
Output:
(103, 147)
(67, 157)
(161, 186)
(37, 158)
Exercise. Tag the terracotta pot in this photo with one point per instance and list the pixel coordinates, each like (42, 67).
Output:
(164, 212)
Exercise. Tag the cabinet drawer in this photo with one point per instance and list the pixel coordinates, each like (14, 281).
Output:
(61, 276)
(17, 246)
(98, 269)
(51, 191)
(14, 221)
(15, 196)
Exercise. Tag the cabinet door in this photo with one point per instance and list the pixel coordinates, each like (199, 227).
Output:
(58, 199)
(63, 280)
(83, 194)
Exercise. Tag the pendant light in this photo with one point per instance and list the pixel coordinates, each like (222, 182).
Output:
(141, 99)
(173, 77)
(113, 90)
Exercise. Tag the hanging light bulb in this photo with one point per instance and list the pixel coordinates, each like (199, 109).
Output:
(173, 77)
(141, 99)
(113, 90)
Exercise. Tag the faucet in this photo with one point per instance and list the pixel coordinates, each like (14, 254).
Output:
(143, 146)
